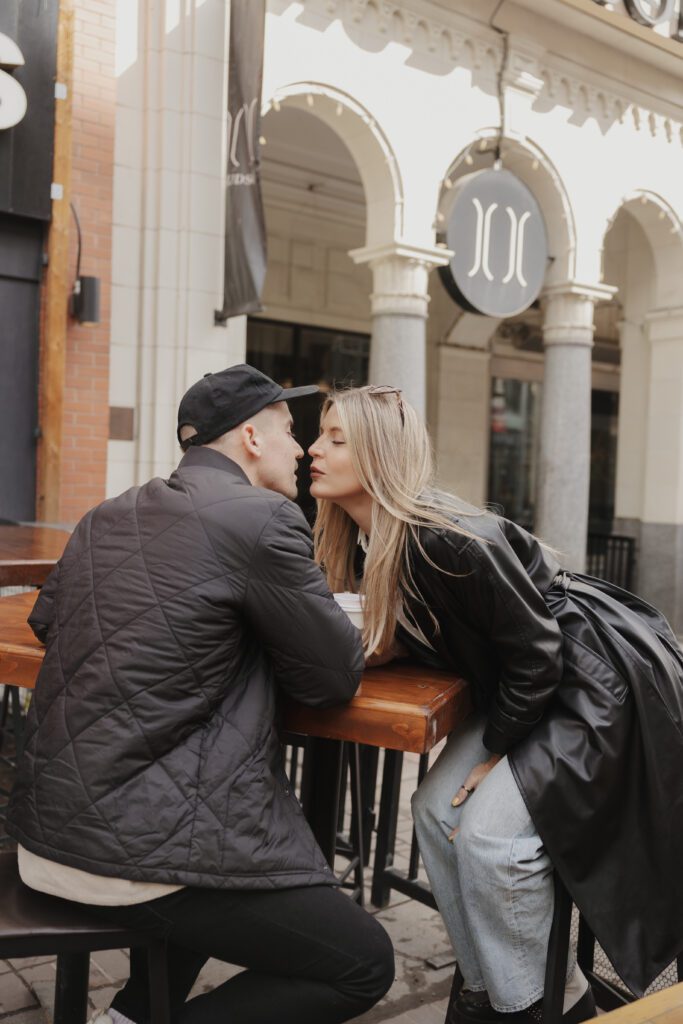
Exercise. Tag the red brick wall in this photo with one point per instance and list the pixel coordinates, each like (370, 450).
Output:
(86, 396)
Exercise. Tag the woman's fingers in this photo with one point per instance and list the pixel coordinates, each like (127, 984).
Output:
(467, 787)
(479, 772)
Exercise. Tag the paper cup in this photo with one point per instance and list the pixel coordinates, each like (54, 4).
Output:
(352, 605)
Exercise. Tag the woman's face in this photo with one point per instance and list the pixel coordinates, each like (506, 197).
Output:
(332, 472)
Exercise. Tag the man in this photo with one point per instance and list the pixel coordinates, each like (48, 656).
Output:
(152, 784)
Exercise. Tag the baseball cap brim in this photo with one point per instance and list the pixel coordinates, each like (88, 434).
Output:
(289, 393)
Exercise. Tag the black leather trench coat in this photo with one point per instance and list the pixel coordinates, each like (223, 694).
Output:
(583, 687)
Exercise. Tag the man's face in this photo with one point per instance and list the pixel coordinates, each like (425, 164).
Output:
(281, 451)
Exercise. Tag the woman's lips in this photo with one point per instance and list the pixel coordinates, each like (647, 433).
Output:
(317, 472)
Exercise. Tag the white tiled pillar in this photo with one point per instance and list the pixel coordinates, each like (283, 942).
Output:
(168, 223)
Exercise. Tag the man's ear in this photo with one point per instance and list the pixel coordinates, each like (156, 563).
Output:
(250, 440)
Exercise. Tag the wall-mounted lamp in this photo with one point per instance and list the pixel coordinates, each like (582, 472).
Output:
(84, 302)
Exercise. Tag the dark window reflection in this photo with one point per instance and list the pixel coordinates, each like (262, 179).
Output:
(294, 354)
(515, 410)
(604, 429)
(513, 461)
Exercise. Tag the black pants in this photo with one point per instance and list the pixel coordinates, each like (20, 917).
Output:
(312, 955)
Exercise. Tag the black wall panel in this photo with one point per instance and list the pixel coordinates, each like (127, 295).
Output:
(26, 150)
(21, 245)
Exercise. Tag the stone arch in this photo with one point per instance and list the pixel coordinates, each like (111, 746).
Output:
(643, 250)
(368, 145)
(663, 229)
(533, 166)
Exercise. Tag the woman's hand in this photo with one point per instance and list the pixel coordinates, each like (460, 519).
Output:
(478, 773)
(395, 650)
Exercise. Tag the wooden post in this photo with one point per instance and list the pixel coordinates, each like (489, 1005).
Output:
(57, 287)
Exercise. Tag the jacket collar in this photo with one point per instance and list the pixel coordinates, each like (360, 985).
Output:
(211, 459)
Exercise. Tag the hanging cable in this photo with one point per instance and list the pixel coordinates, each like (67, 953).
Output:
(78, 234)
(501, 79)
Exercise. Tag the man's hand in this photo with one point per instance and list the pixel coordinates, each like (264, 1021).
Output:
(478, 773)
(396, 650)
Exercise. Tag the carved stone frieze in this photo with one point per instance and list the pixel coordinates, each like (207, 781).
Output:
(454, 40)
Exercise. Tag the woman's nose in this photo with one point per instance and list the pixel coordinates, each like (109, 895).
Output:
(314, 450)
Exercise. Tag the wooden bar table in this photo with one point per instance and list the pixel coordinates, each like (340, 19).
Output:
(399, 707)
(21, 655)
(28, 554)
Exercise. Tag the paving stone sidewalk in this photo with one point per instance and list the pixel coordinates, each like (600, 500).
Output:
(419, 994)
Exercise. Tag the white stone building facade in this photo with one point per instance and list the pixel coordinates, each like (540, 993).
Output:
(373, 109)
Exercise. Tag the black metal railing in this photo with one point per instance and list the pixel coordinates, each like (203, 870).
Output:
(611, 556)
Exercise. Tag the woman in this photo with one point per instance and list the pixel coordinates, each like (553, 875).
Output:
(574, 757)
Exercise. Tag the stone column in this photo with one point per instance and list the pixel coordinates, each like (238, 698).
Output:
(564, 457)
(400, 297)
(660, 562)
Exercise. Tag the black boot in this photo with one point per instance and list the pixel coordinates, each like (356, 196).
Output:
(474, 1008)
(456, 989)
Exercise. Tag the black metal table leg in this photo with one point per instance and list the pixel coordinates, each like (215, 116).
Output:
(386, 826)
(369, 760)
(320, 791)
(71, 988)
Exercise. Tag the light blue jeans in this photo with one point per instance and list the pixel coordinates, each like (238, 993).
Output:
(494, 883)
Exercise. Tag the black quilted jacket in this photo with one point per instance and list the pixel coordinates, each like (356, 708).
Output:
(175, 613)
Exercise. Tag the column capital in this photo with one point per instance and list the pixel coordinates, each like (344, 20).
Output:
(595, 292)
(569, 312)
(431, 256)
(401, 276)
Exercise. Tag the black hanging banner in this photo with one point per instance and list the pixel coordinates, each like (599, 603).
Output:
(245, 229)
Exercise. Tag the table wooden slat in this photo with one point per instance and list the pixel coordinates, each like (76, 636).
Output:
(28, 554)
(399, 706)
(665, 1007)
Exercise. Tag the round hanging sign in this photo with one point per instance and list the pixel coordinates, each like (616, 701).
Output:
(497, 234)
(650, 12)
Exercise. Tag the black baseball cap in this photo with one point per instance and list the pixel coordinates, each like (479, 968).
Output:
(220, 401)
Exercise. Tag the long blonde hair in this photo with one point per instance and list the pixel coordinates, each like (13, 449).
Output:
(391, 453)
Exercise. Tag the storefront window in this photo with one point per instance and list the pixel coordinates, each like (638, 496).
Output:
(515, 408)
(604, 429)
(294, 354)
(515, 431)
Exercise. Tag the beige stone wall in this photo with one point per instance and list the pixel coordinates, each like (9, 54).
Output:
(311, 278)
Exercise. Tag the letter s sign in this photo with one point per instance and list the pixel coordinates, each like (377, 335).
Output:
(12, 96)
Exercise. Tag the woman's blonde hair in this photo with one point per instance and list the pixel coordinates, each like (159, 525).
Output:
(391, 453)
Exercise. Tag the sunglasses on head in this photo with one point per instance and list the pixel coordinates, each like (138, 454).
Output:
(386, 389)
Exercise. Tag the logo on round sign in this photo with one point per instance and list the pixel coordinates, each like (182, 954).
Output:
(12, 96)
(497, 234)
